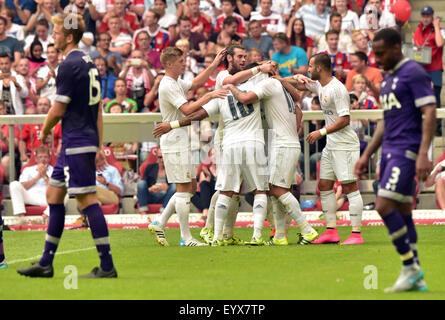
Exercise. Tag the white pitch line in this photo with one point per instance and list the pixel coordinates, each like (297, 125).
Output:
(57, 253)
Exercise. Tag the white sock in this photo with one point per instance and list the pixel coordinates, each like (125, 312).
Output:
(167, 212)
(182, 206)
(355, 209)
(222, 207)
(280, 219)
(292, 207)
(211, 214)
(329, 206)
(259, 213)
(232, 213)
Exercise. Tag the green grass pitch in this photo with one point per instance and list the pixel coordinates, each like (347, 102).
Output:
(148, 271)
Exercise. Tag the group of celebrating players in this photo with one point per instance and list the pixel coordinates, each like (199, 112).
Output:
(242, 93)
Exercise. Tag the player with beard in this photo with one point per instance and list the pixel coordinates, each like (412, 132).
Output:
(342, 148)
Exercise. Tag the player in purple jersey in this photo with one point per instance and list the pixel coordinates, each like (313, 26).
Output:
(405, 95)
(77, 104)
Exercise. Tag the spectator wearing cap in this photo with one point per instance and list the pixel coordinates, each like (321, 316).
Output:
(291, 60)
(314, 17)
(9, 45)
(429, 34)
(256, 39)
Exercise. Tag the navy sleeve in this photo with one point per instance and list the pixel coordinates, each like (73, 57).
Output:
(64, 84)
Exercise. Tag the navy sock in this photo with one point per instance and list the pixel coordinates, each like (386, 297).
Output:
(412, 235)
(398, 232)
(99, 230)
(2, 252)
(55, 229)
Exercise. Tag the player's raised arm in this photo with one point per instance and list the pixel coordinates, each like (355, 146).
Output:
(203, 76)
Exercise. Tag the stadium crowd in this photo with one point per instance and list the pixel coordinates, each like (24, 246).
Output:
(125, 39)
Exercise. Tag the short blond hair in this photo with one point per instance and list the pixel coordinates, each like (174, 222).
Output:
(170, 54)
(72, 23)
(182, 42)
(358, 77)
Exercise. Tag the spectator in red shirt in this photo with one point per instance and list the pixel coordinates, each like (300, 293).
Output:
(361, 45)
(159, 37)
(201, 22)
(228, 9)
(211, 81)
(136, 6)
(429, 34)
(30, 137)
(130, 23)
(4, 136)
(196, 40)
(339, 59)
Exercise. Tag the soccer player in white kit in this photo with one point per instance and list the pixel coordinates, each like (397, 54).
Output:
(243, 157)
(342, 148)
(284, 151)
(235, 62)
(175, 146)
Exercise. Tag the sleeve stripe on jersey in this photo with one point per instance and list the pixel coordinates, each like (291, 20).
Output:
(425, 101)
(63, 99)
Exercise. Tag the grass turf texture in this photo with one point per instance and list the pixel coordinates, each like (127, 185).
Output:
(148, 271)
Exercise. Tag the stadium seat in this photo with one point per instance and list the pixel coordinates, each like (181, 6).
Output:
(152, 158)
(111, 159)
(34, 210)
(110, 208)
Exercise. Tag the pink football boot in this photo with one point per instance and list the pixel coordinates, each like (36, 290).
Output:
(330, 236)
(354, 238)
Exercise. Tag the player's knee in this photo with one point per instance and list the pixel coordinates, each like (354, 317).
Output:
(325, 185)
(86, 200)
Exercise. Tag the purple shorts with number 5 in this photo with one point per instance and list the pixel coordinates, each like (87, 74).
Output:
(75, 170)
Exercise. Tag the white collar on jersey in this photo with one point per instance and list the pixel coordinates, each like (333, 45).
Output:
(398, 65)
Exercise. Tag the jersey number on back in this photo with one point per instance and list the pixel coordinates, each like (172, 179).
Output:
(94, 84)
(244, 110)
(290, 103)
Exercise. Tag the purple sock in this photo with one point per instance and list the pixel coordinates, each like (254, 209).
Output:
(55, 229)
(398, 232)
(2, 252)
(99, 230)
(412, 235)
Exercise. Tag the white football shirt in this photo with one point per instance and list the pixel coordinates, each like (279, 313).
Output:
(171, 97)
(241, 122)
(335, 103)
(280, 112)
